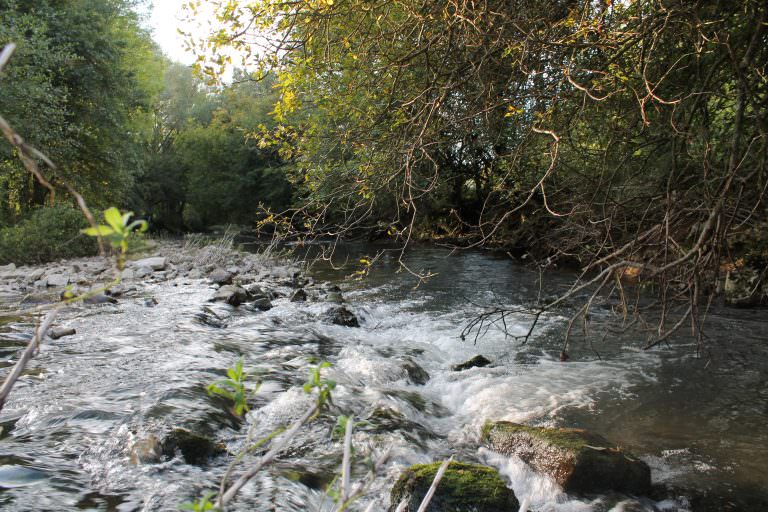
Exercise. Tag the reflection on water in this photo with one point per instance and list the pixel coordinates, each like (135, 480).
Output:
(132, 370)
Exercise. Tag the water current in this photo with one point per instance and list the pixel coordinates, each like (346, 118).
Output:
(698, 418)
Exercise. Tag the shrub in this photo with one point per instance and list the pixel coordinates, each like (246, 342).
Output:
(48, 234)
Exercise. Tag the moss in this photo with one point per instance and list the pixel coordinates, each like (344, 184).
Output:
(568, 439)
(578, 460)
(464, 487)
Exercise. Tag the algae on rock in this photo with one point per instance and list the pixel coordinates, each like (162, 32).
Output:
(578, 460)
(463, 488)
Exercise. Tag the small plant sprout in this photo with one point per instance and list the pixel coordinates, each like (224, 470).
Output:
(204, 504)
(117, 231)
(233, 388)
(323, 386)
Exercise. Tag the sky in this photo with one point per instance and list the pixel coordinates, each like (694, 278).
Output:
(165, 20)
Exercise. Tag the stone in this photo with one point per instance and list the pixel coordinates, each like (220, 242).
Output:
(35, 275)
(59, 332)
(476, 362)
(194, 448)
(262, 303)
(156, 263)
(299, 296)
(341, 315)
(150, 302)
(231, 294)
(221, 276)
(146, 450)
(209, 318)
(416, 373)
(142, 271)
(335, 297)
(463, 488)
(579, 461)
(58, 280)
(100, 298)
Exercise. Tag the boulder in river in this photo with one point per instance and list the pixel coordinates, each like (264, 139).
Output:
(221, 276)
(156, 263)
(195, 448)
(341, 315)
(416, 373)
(464, 487)
(299, 295)
(59, 332)
(476, 362)
(231, 294)
(579, 461)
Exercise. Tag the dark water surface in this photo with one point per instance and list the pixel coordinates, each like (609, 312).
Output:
(701, 422)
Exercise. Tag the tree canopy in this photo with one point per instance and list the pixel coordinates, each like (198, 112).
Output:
(614, 135)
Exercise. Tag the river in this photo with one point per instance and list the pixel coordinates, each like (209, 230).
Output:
(698, 419)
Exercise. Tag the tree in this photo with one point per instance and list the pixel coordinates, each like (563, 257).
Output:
(619, 136)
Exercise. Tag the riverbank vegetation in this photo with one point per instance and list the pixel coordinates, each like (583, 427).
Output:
(625, 139)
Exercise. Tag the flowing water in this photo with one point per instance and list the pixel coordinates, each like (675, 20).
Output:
(132, 371)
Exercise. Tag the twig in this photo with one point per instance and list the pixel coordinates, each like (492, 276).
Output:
(26, 356)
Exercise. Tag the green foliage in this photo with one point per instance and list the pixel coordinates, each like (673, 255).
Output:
(322, 385)
(233, 388)
(47, 234)
(118, 230)
(82, 79)
(206, 165)
(204, 504)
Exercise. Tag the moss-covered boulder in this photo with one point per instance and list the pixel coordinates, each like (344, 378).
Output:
(195, 448)
(464, 487)
(580, 461)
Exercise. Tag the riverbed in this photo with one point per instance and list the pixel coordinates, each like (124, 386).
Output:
(136, 368)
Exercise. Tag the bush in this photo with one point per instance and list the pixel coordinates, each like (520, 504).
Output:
(48, 234)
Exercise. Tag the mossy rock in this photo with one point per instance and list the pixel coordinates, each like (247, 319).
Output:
(195, 448)
(579, 461)
(464, 487)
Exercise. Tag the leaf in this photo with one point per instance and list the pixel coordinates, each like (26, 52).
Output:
(100, 230)
(114, 219)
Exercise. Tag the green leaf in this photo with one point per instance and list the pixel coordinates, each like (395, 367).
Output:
(114, 219)
(100, 230)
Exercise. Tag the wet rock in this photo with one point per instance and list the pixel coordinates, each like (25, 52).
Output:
(59, 332)
(38, 298)
(120, 290)
(195, 448)
(35, 275)
(341, 315)
(147, 450)
(464, 487)
(299, 296)
(745, 287)
(579, 461)
(332, 288)
(210, 318)
(141, 272)
(335, 297)
(476, 362)
(156, 263)
(150, 302)
(416, 373)
(231, 294)
(58, 280)
(262, 304)
(221, 276)
(100, 298)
